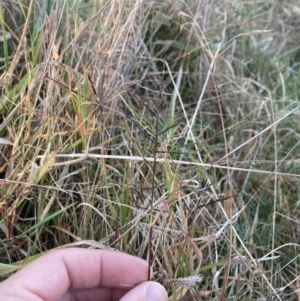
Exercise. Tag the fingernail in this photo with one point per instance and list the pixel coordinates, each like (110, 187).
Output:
(156, 292)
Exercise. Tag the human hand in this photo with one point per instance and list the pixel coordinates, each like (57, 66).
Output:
(83, 274)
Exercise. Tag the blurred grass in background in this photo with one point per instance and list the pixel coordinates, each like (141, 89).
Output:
(117, 117)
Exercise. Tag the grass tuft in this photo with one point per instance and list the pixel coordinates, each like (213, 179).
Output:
(167, 130)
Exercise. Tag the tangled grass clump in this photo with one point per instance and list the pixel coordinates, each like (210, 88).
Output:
(167, 130)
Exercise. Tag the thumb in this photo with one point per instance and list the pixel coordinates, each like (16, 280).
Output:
(146, 291)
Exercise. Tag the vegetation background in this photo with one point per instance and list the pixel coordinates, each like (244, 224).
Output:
(165, 129)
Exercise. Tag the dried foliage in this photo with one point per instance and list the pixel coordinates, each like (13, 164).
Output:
(167, 130)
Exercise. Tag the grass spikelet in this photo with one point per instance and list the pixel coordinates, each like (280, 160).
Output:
(187, 281)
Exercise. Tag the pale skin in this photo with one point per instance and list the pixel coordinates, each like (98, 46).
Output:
(83, 275)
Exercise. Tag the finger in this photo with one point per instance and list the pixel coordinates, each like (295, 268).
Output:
(146, 291)
(94, 294)
(52, 275)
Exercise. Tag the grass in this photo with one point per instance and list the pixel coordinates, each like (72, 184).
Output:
(167, 130)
